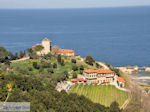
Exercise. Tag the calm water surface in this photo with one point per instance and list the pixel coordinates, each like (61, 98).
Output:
(119, 36)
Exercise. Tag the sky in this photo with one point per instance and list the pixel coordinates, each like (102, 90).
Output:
(71, 3)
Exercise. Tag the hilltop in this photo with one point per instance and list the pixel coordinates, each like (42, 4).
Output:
(35, 77)
(34, 80)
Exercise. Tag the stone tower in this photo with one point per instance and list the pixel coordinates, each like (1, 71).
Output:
(47, 46)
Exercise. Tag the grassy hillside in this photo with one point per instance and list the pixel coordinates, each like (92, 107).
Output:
(25, 65)
(103, 94)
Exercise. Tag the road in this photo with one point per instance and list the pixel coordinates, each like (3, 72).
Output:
(22, 59)
(103, 65)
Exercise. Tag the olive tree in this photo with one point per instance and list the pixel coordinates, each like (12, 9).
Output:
(3, 53)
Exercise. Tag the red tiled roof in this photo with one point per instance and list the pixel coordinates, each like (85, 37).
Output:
(34, 46)
(65, 51)
(98, 71)
(105, 71)
(76, 80)
(120, 79)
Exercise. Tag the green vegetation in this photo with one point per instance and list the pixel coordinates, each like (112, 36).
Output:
(50, 66)
(34, 81)
(103, 94)
(23, 82)
(89, 60)
(39, 48)
(6, 56)
(39, 91)
(145, 85)
(73, 61)
(3, 53)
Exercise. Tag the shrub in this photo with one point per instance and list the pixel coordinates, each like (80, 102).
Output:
(49, 70)
(54, 65)
(66, 74)
(48, 56)
(62, 63)
(33, 56)
(73, 61)
(46, 65)
(59, 58)
(21, 54)
(114, 107)
(89, 60)
(41, 70)
(74, 68)
(30, 69)
(81, 67)
(81, 72)
(7, 62)
(35, 65)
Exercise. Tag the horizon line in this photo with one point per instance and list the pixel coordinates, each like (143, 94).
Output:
(76, 7)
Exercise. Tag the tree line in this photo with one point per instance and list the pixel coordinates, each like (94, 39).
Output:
(41, 93)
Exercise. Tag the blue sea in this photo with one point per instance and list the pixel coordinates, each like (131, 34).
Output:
(118, 36)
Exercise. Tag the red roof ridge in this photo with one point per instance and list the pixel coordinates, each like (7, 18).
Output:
(65, 51)
(98, 71)
(120, 79)
(81, 79)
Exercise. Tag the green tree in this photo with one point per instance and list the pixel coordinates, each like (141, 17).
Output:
(81, 72)
(35, 65)
(33, 55)
(59, 58)
(39, 48)
(114, 107)
(82, 67)
(89, 60)
(7, 62)
(29, 50)
(21, 54)
(66, 74)
(74, 68)
(41, 70)
(24, 53)
(48, 56)
(16, 55)
(12, 56)
(98, 65)
(50, 70)
(41, 92)
(62, 63)
(30, 69)
(54, 65)
(3, 53)
(73, 61)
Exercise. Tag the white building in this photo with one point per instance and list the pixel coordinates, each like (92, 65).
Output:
(46, 43)
(121, 82)
(99, 76)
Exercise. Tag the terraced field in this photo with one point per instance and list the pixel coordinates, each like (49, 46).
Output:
(103, 94)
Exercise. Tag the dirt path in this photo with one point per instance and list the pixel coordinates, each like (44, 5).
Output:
(103, 65)
(22, 59)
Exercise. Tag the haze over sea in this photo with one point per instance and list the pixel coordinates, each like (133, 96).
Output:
(118, 36)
